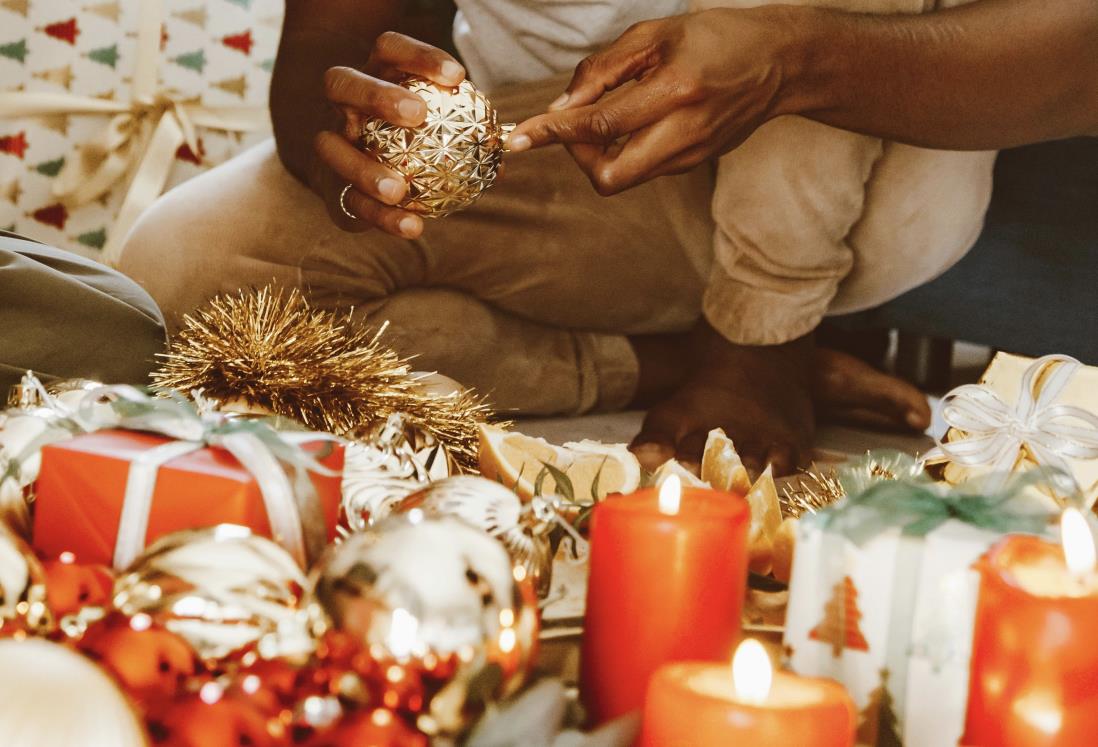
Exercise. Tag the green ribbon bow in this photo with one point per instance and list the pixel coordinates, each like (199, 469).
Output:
(918, 506)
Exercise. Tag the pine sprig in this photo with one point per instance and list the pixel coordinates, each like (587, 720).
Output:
(272, 350)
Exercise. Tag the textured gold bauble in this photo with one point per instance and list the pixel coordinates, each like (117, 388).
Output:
(452, 157)
(221, 588)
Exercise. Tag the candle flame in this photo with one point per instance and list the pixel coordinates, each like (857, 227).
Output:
(752, 672)
(670, 495)
(1078, 542)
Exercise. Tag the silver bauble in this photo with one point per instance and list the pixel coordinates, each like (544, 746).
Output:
(522, 528)
(415, 589)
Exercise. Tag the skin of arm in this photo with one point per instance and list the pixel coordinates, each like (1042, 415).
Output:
(318, 35)
(993, 74)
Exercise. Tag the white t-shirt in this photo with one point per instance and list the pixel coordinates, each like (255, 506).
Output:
(515, 41)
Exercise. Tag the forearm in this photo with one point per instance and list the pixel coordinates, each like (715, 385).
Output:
(317, 35)
(994, 74)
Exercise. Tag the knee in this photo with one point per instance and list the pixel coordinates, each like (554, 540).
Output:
(162, 254)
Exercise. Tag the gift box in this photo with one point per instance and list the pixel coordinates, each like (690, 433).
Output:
(104, 104)
(883, 599)
(88, 494)
(1024, 413)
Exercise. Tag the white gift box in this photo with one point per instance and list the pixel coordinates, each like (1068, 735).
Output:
(891, 615)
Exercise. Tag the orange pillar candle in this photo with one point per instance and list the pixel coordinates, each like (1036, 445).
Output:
(667, 578)
(1035, 647)
(696, 704)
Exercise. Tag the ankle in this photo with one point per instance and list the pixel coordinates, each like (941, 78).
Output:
(663, 365)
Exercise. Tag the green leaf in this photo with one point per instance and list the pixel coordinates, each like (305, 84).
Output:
(595, 482)
(564, 484)
(540, 481)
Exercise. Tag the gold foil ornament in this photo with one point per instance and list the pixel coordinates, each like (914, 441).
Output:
(23, 607)
(418, 591)
(451, 158)
(222, 589)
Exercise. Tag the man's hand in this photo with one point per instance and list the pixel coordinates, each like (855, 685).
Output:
(360, 96)
(667, 95)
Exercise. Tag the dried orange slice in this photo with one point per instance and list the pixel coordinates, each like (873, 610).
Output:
(519, 461)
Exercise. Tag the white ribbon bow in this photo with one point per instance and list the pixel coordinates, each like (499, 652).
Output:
(997, 433)
(141, 138)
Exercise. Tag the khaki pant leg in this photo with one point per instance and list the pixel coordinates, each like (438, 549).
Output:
(813, 220)
(65, 316)
(527, 296)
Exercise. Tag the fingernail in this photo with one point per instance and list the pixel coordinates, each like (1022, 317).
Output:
(410, 226)
(560, 101)
(452, 71)
(915, 420)
(411, 109)
(518, 143)
(391, 189)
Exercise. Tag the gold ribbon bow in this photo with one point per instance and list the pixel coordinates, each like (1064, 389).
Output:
(141, 138)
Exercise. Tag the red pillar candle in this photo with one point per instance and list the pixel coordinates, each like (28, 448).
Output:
(698, 704)
(666, 584)
(1035, 648)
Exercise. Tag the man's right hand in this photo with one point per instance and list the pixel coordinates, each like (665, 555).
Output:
(367, 94)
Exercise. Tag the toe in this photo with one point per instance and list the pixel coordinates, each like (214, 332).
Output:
(847, 384)
(655, 444)
(690, 448)
(782, 458)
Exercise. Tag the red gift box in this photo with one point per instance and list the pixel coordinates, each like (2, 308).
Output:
(82, 483)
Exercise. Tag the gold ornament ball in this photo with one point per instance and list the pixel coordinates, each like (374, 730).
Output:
(451, 158)
(23, 602)
(223, 589)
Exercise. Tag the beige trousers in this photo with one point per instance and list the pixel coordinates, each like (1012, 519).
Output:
(529, 295)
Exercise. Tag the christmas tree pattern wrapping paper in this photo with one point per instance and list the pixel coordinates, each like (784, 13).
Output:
(84, 85)
(883, 598)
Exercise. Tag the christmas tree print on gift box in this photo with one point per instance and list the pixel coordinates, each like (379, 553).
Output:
(841, 616)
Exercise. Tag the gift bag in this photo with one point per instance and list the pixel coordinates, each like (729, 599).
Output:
(105, 103)
(883, 599)
(1025, 413)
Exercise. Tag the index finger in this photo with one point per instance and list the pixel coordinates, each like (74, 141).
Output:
(393, 51)
(599, 123)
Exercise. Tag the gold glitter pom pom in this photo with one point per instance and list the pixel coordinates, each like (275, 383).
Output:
(270, 350)
(817, 489)
(451, 158)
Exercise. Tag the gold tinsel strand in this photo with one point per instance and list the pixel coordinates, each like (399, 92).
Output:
(272, 350)
(818, 489)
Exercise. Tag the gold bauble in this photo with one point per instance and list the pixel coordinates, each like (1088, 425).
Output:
(23, 607)
(451, 158)
(419, 590)
(221, 588)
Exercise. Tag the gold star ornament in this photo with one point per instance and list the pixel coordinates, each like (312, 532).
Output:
(451, 158)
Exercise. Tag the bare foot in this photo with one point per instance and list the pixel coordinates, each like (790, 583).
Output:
(760, 396)
(849, 390)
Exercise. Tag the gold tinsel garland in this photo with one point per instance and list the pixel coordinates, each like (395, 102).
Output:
(816, 489)
(270, 349)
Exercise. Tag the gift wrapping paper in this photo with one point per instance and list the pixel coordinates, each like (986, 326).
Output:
(82, 483)
(215, 54)
(892, 620)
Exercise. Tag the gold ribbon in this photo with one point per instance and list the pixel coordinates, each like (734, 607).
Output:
(141, 138)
